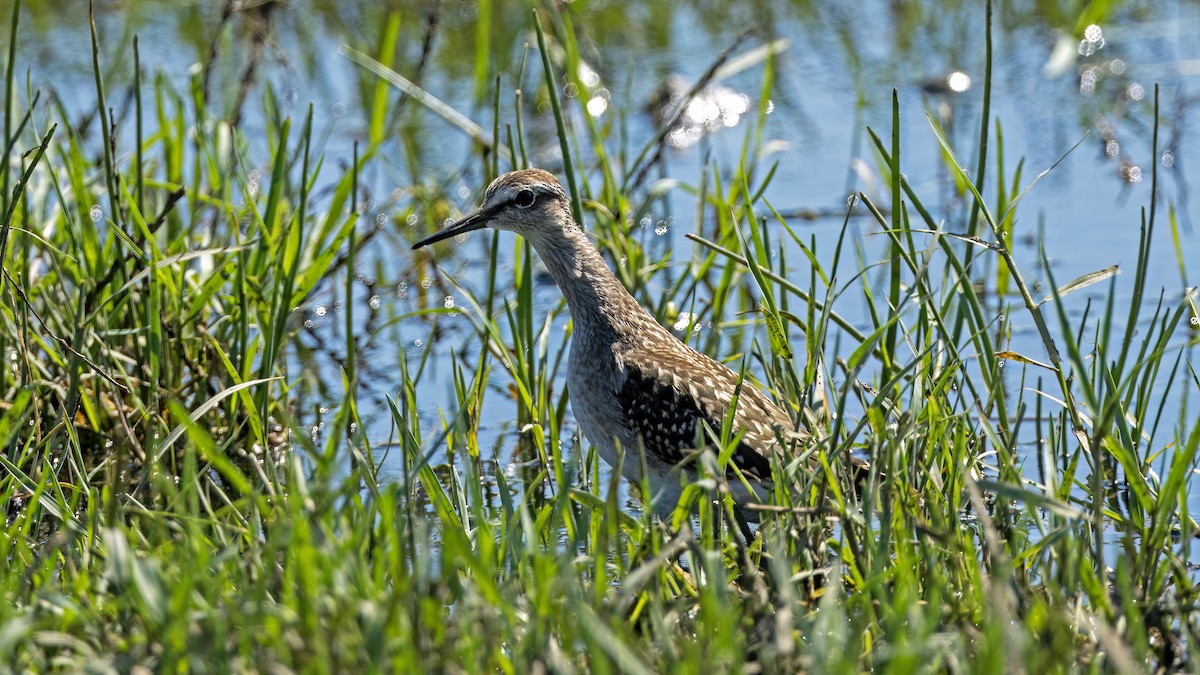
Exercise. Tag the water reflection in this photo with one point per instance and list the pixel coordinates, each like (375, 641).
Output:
(711, 109)
(955, 82)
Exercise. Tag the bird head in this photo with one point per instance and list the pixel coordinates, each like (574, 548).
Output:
(530, 202)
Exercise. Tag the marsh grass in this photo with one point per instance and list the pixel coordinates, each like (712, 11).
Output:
(168, 507)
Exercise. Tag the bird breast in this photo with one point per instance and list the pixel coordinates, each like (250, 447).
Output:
(593, 378)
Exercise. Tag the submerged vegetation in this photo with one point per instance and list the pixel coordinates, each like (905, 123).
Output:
(181, 494)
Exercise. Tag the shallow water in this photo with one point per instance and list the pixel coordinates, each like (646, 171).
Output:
(1056, 81)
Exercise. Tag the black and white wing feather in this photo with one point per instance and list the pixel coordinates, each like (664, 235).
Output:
(667, 417)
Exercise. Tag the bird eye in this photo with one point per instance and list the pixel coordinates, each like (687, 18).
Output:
(525, 198)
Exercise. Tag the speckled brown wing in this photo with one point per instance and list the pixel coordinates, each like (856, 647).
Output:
(666, 411)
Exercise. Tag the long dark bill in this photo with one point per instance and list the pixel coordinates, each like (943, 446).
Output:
(475, 221)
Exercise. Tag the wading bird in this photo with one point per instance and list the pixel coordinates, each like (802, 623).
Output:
(633, 385)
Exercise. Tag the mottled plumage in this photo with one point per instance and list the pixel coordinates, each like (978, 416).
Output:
(671, 423)
(633, 385)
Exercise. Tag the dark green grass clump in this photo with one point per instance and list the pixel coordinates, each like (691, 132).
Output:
(168, 507)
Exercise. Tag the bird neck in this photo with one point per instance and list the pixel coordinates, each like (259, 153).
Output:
(600, 305)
